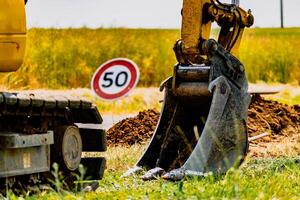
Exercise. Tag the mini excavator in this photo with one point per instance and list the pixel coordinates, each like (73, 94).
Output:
(37, 130)
(203, 123)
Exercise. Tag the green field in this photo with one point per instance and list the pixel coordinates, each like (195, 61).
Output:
(256, 179)
(67, 58)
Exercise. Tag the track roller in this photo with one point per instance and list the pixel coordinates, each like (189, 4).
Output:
(67, 147)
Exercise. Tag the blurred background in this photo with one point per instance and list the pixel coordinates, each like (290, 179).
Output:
(69, 39)
(143, 13)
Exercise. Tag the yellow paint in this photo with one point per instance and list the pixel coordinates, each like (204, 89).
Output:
(224, 18)
(12, 34)
(197, 16)
(193, 28)
(26, 160)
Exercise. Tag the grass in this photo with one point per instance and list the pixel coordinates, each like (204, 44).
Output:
(268, 178)
(288, 94)
(67, 58)
(287, 98)
(256, 179)
(149, 98)
(140, 99)
(270, 55)
(240, 184)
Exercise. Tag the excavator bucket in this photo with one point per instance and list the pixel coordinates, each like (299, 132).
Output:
(202, 127)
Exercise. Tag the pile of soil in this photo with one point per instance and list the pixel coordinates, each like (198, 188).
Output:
(283, 124)
(263, 116)
(133, 130)
(271, 115)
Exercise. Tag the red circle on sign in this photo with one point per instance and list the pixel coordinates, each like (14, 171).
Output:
(130, 65)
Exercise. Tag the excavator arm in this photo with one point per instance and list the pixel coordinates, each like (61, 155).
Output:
(202, 127)
(197, 17)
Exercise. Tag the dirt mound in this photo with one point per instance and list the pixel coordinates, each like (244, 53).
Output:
(263, 116)
(267, 115)
(133, 130)
(282, 121)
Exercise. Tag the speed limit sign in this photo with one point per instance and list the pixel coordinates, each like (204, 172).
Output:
(115, 78)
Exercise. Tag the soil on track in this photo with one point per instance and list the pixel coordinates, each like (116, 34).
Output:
(264, 116)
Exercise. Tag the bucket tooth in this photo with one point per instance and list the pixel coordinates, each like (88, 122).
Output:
(175, 175)
(132, 171)
(153, 174)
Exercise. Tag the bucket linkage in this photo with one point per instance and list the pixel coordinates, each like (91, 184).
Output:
(202, 127)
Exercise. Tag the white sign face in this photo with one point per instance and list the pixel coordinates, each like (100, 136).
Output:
(115, 79)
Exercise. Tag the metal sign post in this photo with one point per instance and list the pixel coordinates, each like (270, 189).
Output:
(281, 13)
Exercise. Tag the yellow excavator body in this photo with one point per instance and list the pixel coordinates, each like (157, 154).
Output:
(36, 129)
(12, 34)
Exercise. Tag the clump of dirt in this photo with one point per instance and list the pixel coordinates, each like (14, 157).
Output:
(133, 130)
(263, 116)
(297, 108)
